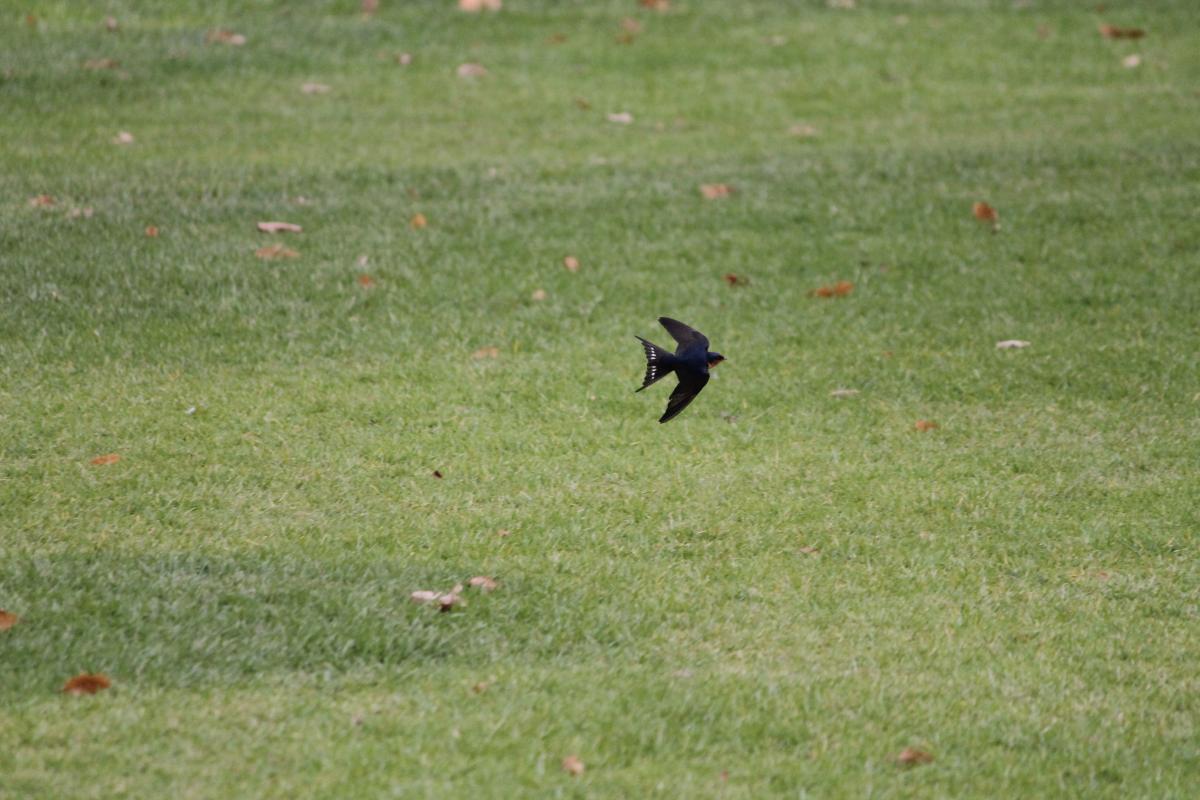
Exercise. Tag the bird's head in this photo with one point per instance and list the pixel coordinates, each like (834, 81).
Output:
(714, 359)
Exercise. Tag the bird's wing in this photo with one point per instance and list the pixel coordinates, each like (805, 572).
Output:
(687, 337)
(690, 384)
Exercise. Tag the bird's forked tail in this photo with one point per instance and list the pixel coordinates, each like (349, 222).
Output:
(659, 363)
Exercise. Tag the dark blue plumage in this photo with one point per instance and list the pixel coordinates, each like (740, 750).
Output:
(691, 362)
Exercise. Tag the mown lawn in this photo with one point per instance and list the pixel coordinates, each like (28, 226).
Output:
(774, 594)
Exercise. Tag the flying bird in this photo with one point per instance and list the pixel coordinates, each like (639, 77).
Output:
(691, 361)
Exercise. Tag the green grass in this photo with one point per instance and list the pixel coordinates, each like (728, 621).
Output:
(1016, 592)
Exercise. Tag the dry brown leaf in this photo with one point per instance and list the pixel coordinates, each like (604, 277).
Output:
(274, 251)
(315, 88)
(41, 201)
(925, 425)
(7, 619)
(573, 766)
(556, 38)
(620, 117)
(656, 5)
(839, 289)
(123, 137)
(733, 279)
(843, 393)
(712, 191)
(809, 550)
(86, 212)
(418, 221)
(424, 596)
(538, 295)
(105, 460)
(110, 24)
(404, 59)
(481, 687)
(504, 533)
(483, 583)
(471, 70)
(631, 25)
(912, 756)
(1131, 61)
(475, 6)
(486, 352)
(984, 212)
(279, 227)
(86, 683)
(571, 263)
(223, 36)
(369, 7)
(1115, 32)
(101, 63)
(151, 232)
(366, 281)
(1012, 344)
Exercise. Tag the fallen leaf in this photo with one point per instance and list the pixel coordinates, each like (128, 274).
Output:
(86, 212)
(471, 70)
(556, 38)
(451, 599)
(151, 232)
(620, 117)
(110, 24)
(404, 59)
(369, 7)
(86, 683)
(911, 757)
(809, 550)
(712, 191)
(105, 460)
(1131, 61)
(843, 393)
(984, 212)
(538, 295)
(123, 137)
(437, 473)
(315, 88)
(486, 352)
(41, 201)
(803, 130)
(571, 263)
(839, 289)
(7, 619)
(1114, 32)
(279, 227)
(474, 6)
(424, 596)
(366, 281)
(1012, 344)
(583, 104)
(925, 425)
(481, 687)
(733, 279)
(31, 20)
(273, 251)
(418, 221)
(483, 583)
(504, 533)
(101, 63)
(573, 766)
(631, 25)
(657, 5)
(222, 36)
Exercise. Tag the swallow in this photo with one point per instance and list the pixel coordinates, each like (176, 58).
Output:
(691, 362)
